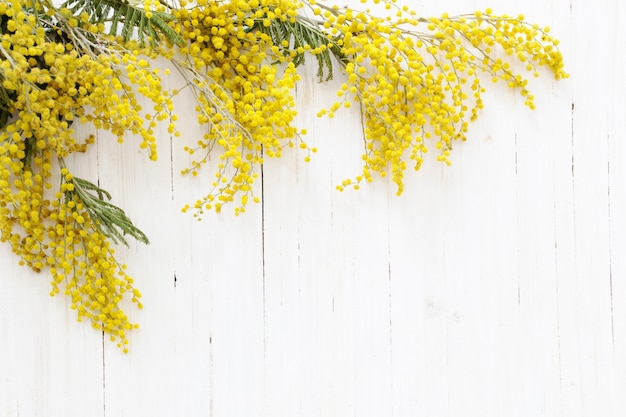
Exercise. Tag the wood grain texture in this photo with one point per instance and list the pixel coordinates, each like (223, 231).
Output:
(494, 287)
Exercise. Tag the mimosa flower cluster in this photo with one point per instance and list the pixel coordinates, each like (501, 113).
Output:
(417, 81)
(57, 69)
(244, 97)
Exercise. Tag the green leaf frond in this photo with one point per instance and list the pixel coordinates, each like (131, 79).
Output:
(6, 104)
(127, 20)
(292, 37)
(110, 220)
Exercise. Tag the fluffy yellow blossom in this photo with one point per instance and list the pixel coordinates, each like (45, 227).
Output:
(417, 78)
(417, 81)
(49, 83)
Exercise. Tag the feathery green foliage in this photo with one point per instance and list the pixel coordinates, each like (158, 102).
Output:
(107, 217)
(293, 36)
(127, 20)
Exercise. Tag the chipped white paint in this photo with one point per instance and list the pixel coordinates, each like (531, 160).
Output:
(495, 287)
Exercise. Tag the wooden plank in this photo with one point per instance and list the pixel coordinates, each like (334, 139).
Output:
(46, 357)
(617, 209)
(590, 159)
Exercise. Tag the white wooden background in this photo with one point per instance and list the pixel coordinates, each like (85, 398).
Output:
(495, 287)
